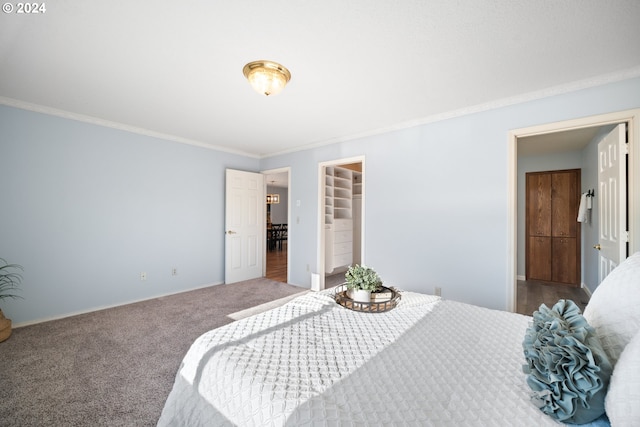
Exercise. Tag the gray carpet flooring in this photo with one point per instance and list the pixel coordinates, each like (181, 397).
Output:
(114, 367)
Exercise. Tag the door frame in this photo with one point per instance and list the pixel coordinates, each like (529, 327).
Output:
(632, 119)
(320, 266)
(286, 169)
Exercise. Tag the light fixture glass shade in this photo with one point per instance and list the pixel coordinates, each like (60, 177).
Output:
(266, 77)
(273, 199)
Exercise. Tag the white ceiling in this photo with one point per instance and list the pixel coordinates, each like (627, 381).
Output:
(174, 68)
(557, 142)
(280, 179)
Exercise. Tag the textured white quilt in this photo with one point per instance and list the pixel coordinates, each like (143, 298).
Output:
(428, 362)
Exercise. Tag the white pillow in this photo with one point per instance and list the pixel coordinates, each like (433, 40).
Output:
(623, 398)
(614, 307)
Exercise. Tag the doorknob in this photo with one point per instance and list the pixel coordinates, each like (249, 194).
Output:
(231, 232)
(596, 246)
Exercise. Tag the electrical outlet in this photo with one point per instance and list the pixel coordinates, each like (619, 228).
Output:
(438, 291)
(143, 276)
(174, 271)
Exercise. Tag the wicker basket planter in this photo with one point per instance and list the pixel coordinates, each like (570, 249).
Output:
(376, 305)
(5, 327)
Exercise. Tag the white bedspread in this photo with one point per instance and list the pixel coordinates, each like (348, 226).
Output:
(428, 362)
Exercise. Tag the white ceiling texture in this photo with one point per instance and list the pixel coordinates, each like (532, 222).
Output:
(174, 68)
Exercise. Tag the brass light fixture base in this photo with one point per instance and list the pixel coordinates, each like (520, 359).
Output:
(266, 77)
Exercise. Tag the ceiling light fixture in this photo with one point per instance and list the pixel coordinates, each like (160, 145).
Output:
(266, 77)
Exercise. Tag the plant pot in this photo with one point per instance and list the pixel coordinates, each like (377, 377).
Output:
(5, 327)
(359, 295)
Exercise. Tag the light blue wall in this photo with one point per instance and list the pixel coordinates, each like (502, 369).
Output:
(436, 195)
(279, 211)
(86, 208)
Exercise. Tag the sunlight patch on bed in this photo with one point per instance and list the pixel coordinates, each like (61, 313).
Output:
(264, 307)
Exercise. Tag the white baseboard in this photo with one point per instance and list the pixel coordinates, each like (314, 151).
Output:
(586, 289)
(521, 278)
(91, 310)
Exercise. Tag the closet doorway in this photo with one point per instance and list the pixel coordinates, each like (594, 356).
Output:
(341, 219)
(548, 140)
(277, 225)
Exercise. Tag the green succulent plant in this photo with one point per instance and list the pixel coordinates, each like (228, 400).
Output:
(10, 279)
(362, 277)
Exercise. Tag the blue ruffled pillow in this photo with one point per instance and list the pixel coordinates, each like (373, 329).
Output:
(567, 368)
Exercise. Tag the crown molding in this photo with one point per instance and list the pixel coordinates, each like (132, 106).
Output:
(492, 105)
(10, 102)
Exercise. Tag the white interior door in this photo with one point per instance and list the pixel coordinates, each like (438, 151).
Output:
(612, 184)
(244, 225)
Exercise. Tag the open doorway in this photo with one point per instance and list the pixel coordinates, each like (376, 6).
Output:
(547, 142)
(277, 225)
(341, 219)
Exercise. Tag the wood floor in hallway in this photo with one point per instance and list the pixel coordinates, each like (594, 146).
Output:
(277, 264)
(533, 293)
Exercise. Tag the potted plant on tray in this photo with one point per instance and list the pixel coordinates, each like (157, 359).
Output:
(9, 283)
(361, 281)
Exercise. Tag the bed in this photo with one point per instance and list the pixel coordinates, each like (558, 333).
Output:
(427, 362)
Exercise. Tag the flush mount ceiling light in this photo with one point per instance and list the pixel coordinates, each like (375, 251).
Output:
(266, 77)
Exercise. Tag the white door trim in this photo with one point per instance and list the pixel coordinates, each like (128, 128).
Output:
(320, 266)
(632, 118)
(286, 169)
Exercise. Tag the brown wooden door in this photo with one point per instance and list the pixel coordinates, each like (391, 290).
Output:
(539, 204)
(564, 265)
(552, 231)
(564, 204)
(539, 254)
